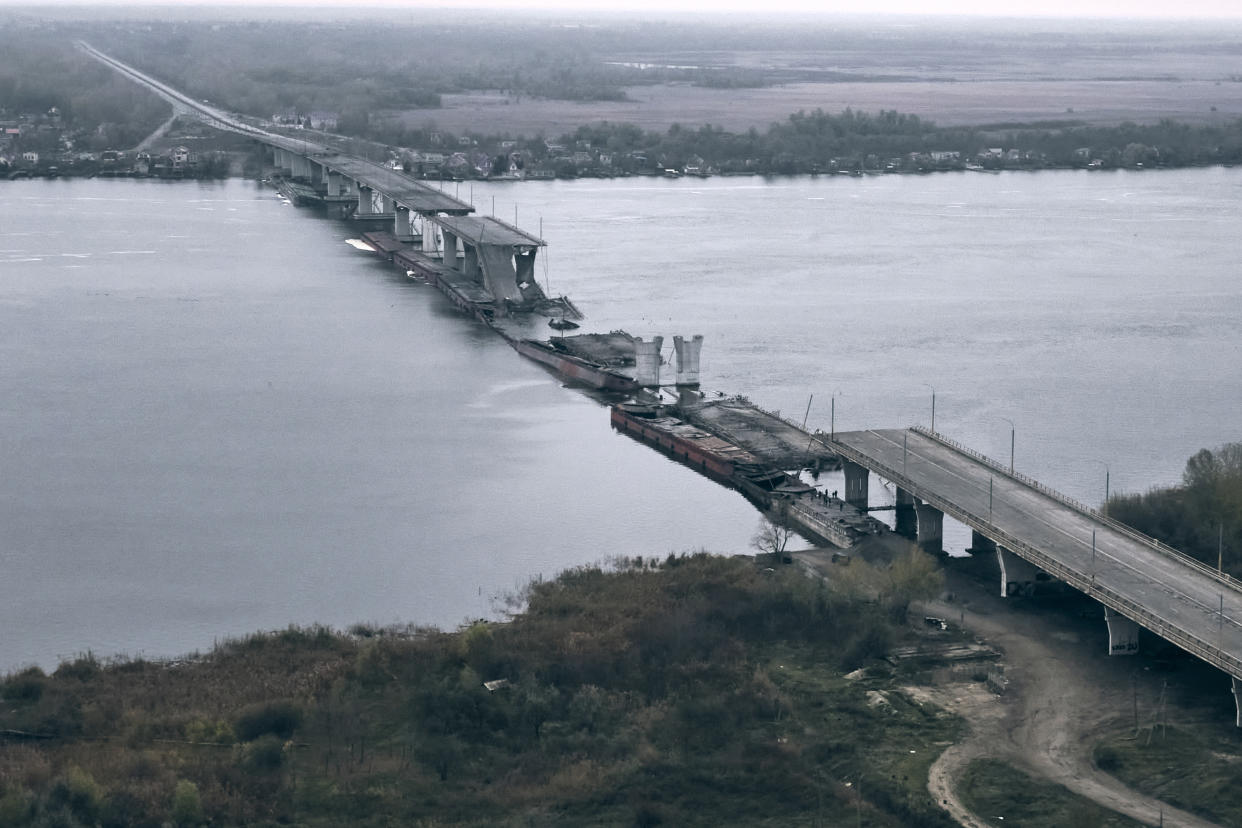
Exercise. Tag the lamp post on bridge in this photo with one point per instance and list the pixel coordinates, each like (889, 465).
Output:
(1107, 475)
(1013, 430)
(832, 416)
(933, 413)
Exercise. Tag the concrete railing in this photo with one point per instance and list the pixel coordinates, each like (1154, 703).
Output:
(1161, 626)
(1078, 506)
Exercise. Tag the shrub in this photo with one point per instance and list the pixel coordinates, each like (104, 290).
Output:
(267, 753)
(187, 809)
(279, 718)
(26, 686)
(82, 668)
(78, 791)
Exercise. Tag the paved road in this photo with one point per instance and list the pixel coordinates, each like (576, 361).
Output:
(406, 190)
(1171, 596)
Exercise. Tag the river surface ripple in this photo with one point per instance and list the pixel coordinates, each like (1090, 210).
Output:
(217, 416)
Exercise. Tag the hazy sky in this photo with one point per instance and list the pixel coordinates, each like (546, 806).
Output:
(1009, 8)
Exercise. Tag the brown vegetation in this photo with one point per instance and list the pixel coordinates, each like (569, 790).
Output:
(698, 691)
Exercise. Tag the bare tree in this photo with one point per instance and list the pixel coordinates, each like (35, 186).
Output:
(771, 538)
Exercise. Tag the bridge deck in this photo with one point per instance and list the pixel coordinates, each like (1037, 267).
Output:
(407, 191)
(1177, 599)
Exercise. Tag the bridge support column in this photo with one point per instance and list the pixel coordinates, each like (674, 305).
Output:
(386, 203)
(450, 249)
(647, 361)
(401, 227)
(334, 183)
(1123, 634)
(688, 359)
(856, 478)
(981, 544)
(301, 168)
(930, 533)
(1237, 697)
(906, 521)
(317, 177)
(1017, 574)
(470, 262)
(430, 235)
(366, 202)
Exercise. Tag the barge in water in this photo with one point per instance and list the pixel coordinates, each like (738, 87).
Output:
(601, 361)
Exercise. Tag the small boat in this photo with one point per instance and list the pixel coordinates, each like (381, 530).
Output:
(562, 324)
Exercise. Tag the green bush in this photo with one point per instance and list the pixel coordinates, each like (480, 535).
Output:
(267, 753)
(187, 809)
(26, 686)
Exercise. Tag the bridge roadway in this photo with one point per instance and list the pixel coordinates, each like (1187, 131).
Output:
(398, 186)
(1170, 594)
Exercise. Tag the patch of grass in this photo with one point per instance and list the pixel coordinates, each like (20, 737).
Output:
(1195, 768)
(993, 789)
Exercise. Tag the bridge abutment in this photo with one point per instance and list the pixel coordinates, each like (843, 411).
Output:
(1017, 574)
(856, 479)
(905, 518)
(1123, 634)
(930, 529)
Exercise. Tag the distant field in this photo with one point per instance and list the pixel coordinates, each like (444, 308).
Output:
(946, 103)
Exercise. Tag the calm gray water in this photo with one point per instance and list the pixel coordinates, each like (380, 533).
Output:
(216, 416)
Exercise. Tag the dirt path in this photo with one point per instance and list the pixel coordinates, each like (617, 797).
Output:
(1062, 694)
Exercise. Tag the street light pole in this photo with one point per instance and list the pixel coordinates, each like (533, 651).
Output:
(832, 416)
(1107, 474)
(933, 417)
(1013, 430)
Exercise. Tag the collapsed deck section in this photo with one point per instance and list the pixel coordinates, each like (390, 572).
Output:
(776, 442)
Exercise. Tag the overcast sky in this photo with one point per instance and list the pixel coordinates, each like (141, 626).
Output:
(1146, 9)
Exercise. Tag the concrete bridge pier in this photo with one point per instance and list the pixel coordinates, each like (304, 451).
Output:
(906, 520)
(450, 249)
(688, 359)
(317, 175)
(401, 226)
(366, 200)
(470, 262)
(301, 167)
(930, 531)
(1017, 574)
(1237, 697)
(1123, 634)
(282, 160)
(334, 183)
(981, 544)
(647, 361)
(430, 234)
(856, 479)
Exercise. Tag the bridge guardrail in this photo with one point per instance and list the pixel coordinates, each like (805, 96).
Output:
(1161, 626)
(1078, 506)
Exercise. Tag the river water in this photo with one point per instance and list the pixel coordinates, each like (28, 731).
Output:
(217, 416)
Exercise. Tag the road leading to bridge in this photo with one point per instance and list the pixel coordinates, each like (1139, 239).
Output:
(395, 184)
(1176, 598)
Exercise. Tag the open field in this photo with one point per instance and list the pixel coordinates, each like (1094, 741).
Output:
(947, 103)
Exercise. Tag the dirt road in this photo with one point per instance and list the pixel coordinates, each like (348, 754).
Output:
(1064, 691)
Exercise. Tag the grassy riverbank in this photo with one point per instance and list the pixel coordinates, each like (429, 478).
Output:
(700, 691)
